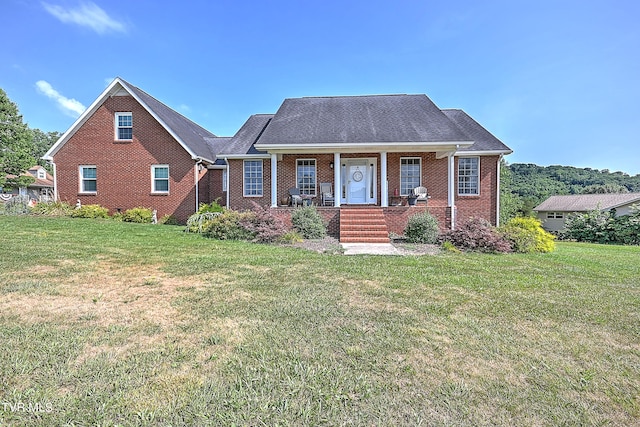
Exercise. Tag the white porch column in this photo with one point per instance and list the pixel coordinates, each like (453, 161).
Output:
(451, 184)
(337, 185)
(384, 184)
(274, 180)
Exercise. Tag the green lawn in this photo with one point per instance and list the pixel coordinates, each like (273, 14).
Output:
(107, 323)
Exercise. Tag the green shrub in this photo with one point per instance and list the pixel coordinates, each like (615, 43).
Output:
(170, 220)
(138, 215)
(52, 209)
(17, 205)
(291, 237)
(527, 235)
(198, 222)
(228, 226)
(213, 207)
(308, 222)
(422, 228)
(604, 227)
(90, 211)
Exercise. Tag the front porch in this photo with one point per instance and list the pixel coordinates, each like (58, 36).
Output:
(369, 223)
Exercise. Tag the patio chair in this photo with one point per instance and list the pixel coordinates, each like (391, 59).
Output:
(421, 192)
(295, 198)
(326, 194)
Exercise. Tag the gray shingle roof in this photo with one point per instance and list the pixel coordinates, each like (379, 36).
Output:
(586, 202)
(243, 141)
(191, 134)
(361, 119)
(483, 139)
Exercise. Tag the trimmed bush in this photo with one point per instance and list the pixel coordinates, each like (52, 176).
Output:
(227, 226)
(308, 222)
(264, 225)
(422, 228)
(90, 211)
(478, 235)
(527, 235)
(139, 215)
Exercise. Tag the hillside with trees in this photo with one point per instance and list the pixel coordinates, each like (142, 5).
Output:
(525, 185)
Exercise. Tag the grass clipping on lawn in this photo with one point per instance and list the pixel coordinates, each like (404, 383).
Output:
(112, 323)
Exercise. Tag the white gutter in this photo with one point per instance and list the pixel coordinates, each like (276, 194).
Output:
(55, 181)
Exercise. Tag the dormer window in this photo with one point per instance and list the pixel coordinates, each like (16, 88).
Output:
(124, 126)
(42, 174)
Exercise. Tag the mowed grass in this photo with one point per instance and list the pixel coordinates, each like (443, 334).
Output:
(106, 323)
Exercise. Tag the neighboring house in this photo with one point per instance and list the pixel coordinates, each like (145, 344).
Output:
(373, 150)
(41, 190)
(554, 211)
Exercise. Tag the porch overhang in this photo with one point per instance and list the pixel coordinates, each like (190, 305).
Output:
(364, 147)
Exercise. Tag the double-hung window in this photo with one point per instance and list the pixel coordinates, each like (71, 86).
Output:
(469, 176)
(88, 179)
(124, 126)
(409, 174)
(306, 176)
(160, 178)
(252, 185)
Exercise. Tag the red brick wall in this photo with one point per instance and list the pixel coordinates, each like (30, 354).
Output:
(483, 205)
(124, 168)
(434, 177)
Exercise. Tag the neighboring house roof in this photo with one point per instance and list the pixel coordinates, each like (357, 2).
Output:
(349, 120)
(39, 182)
(191, 136)
(587, 202)
(483, 139)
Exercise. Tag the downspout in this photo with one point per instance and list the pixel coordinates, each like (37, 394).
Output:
(498, 191)
(55, 181)
(451, 182)
(228, 178)
(196, 171)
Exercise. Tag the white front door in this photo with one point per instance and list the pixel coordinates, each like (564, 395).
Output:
(357, 182)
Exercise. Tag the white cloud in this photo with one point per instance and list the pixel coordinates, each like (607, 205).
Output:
(87, 14)
(70, 107)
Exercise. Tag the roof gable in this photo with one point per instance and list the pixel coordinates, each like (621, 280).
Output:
(188, 134)
(587, 202)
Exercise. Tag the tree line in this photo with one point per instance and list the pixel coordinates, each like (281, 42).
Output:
(525, 185)
(20, 146)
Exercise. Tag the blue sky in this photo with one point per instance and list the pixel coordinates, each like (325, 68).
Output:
(557, 81)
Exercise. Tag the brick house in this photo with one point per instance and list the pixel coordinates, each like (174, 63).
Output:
(371, 151)
(128, 150)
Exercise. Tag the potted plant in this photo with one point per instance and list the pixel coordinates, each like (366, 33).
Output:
(411, 198)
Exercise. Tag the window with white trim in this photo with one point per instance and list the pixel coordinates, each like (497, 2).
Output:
(469, 176)
(42, 174)
(124, 126)
(160, 178)
(410, 174)
(555, 215)
(253, 179)
(306, 176)
(88, 179)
